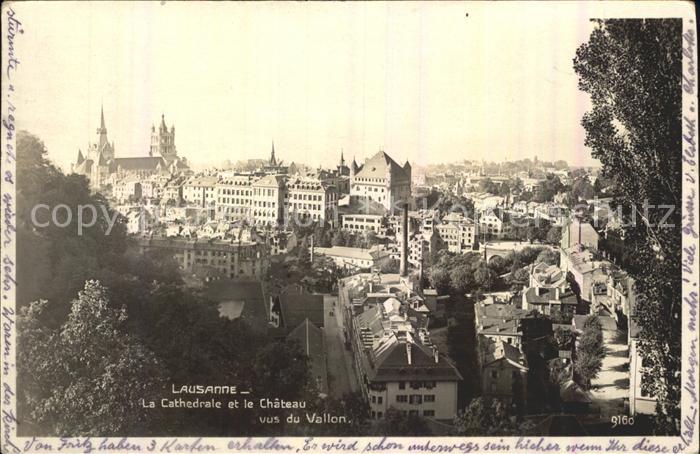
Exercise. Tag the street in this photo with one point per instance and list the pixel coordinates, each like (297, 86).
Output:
(341, 377)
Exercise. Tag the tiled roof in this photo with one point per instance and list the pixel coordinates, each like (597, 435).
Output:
(377, 166)
(298, 304)
(392, 365)
(140, 163)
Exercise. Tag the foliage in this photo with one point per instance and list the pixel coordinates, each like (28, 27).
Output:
(483, 416)
(548, 256)
(550, 187)
(590, 352)
(169, 326)
(554, 235)
(398, 424)
(632, 71)
(564, 338)
(88, 377)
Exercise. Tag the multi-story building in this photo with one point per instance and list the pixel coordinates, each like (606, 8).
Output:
(494, 222)
(200, 191)
(355, 258)
(310, 199)
(396, 363)
(230, 259)
(172, 191)
(458, 233)
(127, 189)
(575, 233)
(545, 275)
(234, 197)
(362, 222)
(499, 323)
(268, 200)
(586, 268)
(617, 295)
(382, 180)
(504, 373)
(544, 299)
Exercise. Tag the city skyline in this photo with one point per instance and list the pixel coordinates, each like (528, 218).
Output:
(438, 86)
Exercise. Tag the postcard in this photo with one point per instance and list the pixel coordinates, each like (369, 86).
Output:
(355, 227)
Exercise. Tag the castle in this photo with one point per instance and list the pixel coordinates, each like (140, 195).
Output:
(102, 167)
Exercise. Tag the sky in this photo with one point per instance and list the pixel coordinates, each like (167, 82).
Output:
(425, 82)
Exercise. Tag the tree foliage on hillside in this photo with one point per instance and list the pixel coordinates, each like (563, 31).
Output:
(139, 317)
(631, 69)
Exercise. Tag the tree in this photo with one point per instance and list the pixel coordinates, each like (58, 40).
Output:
(635, 130)
(484, 278)
(89, 377)
(554, 235)
(548, 256)
(439, 279)
(564, 338)
(397, 424)
(483, 416)
(590, 351)
(461, 279)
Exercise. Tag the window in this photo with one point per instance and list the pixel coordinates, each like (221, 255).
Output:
(429, 398)
(380, 414)
(402, 398)
(416, 399)
(380, 400)
(374, 399)
(494, 374)
(402, 385)
(429, 413)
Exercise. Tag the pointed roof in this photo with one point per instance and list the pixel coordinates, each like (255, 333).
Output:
(102, 117)
(162, 122)
(377, 166)
(273, 161)
(81, 158)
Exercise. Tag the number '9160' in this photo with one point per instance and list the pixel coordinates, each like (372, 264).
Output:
(622, 420)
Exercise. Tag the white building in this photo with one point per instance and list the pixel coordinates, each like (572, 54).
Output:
(383, 180)
(200, 191)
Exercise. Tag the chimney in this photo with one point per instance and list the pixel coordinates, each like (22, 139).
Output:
(404, 245)
(436, 354)
(311, 251)
(408, 352)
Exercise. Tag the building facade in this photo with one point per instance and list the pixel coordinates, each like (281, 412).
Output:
(383, 180)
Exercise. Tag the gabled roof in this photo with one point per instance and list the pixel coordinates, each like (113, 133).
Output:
(504, 351)
(378, 165)
(391, 364)
(297, 305)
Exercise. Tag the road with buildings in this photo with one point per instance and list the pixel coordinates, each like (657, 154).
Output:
(339, 361)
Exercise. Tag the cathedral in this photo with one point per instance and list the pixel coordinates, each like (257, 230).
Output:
(100, 165)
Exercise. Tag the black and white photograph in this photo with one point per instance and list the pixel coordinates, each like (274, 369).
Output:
(349, 227)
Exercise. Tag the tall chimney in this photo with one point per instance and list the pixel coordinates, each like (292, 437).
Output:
(408, 351)
(404, 245)
(311, 252)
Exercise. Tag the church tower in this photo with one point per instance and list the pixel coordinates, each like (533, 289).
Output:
(273, 160)
(163, 142)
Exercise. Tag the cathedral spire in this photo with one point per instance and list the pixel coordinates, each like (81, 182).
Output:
(273, 161)
(102, 117)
